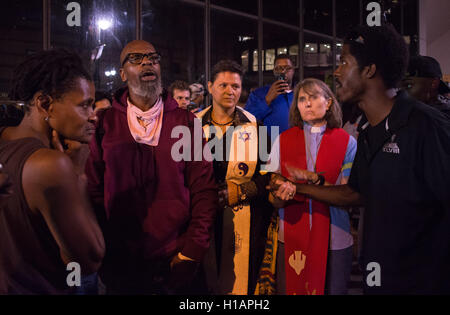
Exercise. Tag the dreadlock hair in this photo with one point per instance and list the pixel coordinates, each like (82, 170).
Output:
(382, 46)
(53, 72)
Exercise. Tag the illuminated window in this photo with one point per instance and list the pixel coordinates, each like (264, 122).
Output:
(270, 58)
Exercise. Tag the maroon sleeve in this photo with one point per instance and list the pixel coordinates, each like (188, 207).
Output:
(204, 204)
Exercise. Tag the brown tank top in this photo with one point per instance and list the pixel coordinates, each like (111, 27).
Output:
(29, 255)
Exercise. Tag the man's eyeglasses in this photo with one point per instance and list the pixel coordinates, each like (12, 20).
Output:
(283, 68)
(136, 58)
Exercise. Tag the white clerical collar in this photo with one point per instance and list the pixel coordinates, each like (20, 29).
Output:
(312, 129)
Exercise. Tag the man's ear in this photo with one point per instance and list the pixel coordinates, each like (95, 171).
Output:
(435, 83)
(370, 71)
(123, 75)
(210, 87)
(43, 103)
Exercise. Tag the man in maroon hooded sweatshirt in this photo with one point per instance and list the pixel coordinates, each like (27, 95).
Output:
(157, 213)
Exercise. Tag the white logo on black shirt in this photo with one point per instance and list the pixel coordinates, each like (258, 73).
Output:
(391, 147)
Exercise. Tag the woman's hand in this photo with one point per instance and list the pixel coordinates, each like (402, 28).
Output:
(285, 192)
(78, 152)
(281, 188)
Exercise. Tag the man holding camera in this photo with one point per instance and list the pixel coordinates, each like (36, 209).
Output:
(270, 104)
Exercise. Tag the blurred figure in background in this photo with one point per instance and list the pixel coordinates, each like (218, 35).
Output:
(198, 93)
(11, 113)
(270, 104)
(103, 100)
(423, 82)
(180, 92)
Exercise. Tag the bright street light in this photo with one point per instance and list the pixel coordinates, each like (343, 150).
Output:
(104, 24)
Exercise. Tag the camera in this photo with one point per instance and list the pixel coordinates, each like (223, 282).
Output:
(281, 76)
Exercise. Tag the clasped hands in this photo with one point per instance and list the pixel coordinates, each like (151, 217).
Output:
(284, 188)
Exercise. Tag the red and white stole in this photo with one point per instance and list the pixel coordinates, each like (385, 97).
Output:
(306, 247)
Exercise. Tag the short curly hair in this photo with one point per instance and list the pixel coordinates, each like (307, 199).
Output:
(179, 85)
(226, 66)
(53, 72)
(382, 46)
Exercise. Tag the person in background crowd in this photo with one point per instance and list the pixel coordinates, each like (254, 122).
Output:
(157, 213)
(243, 99)
(314, 248)
(44, 157)
(197, 94)
(11, 113)
(241, 226)
(400, 172)
(423, 82)
(103, 101)
(180, 93)
(270, 104)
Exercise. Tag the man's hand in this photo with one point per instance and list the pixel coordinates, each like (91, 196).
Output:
(181, 273)
(229, 194)
(277, 88)
(296, 175)
(78, 152)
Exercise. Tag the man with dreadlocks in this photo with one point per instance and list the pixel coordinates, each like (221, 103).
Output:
(47, 222)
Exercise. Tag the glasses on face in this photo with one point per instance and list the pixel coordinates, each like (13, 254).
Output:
(282, 68)
(136, 58)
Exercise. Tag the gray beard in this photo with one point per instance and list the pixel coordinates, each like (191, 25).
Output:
(146, 90)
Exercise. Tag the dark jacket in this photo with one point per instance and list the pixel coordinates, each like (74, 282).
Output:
(155, 206)
(402, 169)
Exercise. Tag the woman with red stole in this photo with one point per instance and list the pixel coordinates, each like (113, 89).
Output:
(309, 248)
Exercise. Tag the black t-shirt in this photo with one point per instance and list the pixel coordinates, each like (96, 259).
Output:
(403, 172)
(376, 136)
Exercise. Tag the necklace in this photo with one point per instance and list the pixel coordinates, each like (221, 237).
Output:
(225, 124)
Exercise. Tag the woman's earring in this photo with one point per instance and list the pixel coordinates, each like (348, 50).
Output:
(46, 119)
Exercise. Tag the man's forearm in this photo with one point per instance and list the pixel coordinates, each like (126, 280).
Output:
(337, 195)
